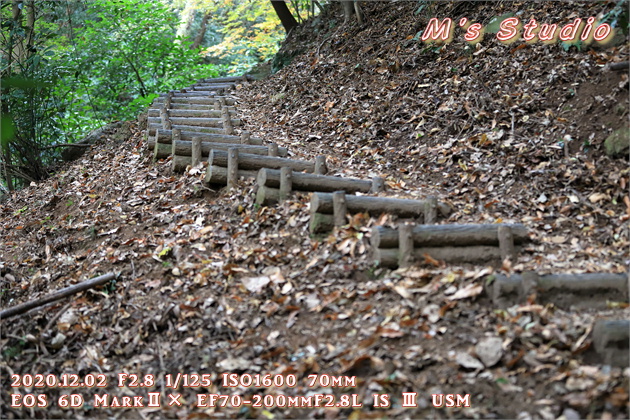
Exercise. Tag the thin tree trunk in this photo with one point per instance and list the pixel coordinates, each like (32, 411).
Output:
(283, 12)
(188, 17)
(202, 31)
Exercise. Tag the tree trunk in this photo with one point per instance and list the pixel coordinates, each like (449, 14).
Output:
(202, 32)
(188, 16)
(351, 8)
(283, 12)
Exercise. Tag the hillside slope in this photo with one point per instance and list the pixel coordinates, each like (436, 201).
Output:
(211, 283)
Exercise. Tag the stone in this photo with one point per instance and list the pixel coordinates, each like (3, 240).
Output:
(489, 350)
(618, 143)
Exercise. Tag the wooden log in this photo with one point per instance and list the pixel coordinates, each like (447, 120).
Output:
(430, 210)
(448, 235)
(55, 296)
(228, 79)
(164, 136)
(610, 340)
(623, 65)
(320, 223)
(197, 122)
(217, 175)
(164, 120)
(184, 106)
(405, 239)
(167, 101)
(190, 113)
(248, 161)
(285, 183)
(196, 151)
(232, 167)
(152, 127)
(212, 87)
(184, 93)
(449, 254)
(340, 209)
(378, 185)
(273, 151)
(563, 290)
(184, 148)
(311, 182)
(204, 98)
(506, 243)
(266, 196)
(322, 203)
(320, 165)
(227, 122)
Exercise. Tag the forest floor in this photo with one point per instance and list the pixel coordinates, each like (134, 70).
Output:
(211, 283)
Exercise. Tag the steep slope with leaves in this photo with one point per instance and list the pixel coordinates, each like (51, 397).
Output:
(210, 283)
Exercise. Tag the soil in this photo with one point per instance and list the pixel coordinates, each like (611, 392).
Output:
(210, 283)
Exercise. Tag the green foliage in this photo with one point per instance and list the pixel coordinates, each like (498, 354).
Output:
(251, 32)
(124, 54)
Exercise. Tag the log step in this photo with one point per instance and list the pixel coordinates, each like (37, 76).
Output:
(152, 129)
(194, 96)
(196, 122)
(312, 182)
(189, 113)
(448, 235)
(210, 86)
(255, 162)
(192, 107)
(323, 203)
(166, 137)
(227, 79)
(184, 148)
(580, 291)
(610, 340)
(218, 175)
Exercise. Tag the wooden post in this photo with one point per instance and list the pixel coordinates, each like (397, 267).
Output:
(405, 244)
(506, 243)
(196, 151)
(168, 99)
(176, 135)
(339, 208)
(320, 165)
(166, 122)
(217, 105)
(378, 184)
(430, 210)
(286, 182)
(245, 137)
(227, 123)
(273, 149)
(232, 167)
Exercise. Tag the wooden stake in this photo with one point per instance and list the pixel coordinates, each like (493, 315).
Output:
(405, 241)
(286, 182)
(273, 149)
(60, 294)
(320, 165)
(196, 151)
(340, 209)
(430, 210)
(166, 122)
(227, 123)
(506, 243)
(232, 166)
(378, 184)
(245, 137)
